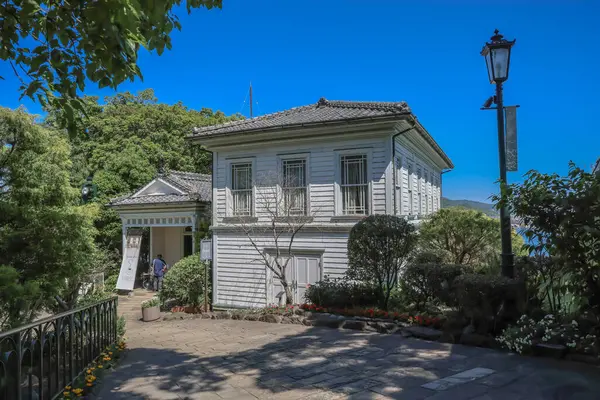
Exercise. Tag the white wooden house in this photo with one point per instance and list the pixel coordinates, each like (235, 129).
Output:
(345, 159)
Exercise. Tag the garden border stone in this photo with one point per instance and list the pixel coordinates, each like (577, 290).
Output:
(355, 325)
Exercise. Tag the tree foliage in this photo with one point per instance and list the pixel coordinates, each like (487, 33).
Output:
(55, 47)
(124, 141)
(46, 238)
(378, 247)
(464, 236)
(561, 215)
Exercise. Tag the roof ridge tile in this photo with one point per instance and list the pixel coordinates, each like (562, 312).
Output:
(316, 112)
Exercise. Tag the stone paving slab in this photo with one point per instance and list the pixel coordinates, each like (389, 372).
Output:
(228, 359)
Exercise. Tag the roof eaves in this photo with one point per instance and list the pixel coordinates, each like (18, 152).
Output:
(303, 125)
(427, 136)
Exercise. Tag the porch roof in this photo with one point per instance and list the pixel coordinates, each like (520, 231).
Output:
(186, 187)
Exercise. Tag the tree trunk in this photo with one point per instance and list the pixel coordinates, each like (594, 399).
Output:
(289, 296)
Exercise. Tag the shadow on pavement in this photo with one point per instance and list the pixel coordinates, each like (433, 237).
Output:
(322, 363)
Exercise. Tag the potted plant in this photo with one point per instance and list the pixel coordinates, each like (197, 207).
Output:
(151, 309)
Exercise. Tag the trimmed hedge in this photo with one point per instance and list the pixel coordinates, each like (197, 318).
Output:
(184, 282)
(424, 284)
(342, 293)
(481, 297)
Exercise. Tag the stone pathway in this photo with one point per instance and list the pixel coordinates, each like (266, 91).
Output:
(228, 359)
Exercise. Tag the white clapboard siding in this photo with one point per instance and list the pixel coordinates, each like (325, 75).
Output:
(322, 164)
(411, 156)
(241, 276)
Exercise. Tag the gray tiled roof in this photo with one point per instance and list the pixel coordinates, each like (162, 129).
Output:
(323, 111)
(196, 187)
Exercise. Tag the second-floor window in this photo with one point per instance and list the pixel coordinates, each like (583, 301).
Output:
(426, 192)
(419, 192)
(354, 184)
(241, 189)
(411, 199)
(398, 187)
(294, 187)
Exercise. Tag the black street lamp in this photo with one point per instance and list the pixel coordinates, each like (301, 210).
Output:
(497, 59)
(88, 190)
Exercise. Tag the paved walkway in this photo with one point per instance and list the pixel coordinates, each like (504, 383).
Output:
(225, 359)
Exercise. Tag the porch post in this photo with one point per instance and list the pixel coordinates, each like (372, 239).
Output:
(151, 251)
(194, 224)
(124, 231)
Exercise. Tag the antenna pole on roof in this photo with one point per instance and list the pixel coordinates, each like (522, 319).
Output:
(250, 99)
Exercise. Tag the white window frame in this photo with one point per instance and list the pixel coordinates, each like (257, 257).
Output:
(411, 188)
(398, 170)
(426, 184)
(419, 190)
(229, 200)
(368, 153)
(292, 157)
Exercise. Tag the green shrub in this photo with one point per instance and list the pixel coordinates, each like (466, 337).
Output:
(428, 257)
(481, 297)
(424, 284)
(341, 293)
(184, 282)
(378, 247)
(121, 322)
(110, 283)
(93, 297)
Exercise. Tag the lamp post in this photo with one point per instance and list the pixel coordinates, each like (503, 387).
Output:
(88, 190)
(497, 59)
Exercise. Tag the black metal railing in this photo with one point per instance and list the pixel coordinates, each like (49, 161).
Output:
(38, 360)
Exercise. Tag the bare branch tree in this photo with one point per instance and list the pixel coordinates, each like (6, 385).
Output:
(282, 211)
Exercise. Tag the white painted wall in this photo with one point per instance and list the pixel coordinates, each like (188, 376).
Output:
(168, 241)
(241, 277)
(323, 161)
(408, 156)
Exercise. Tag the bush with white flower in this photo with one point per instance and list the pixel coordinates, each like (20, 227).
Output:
(528, 332)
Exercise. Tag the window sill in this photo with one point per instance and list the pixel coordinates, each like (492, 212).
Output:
(347, 218)
(298, 219)
(239, 220)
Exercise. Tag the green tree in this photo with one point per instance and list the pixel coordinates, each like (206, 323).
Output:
(54, 47)
(464, 236)
(125, 140)
(378, 247)
(46, 237)
(561, 215)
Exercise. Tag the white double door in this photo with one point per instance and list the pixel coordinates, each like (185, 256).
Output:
(301, 271)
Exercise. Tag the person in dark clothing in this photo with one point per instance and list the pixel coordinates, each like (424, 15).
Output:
(159, 267)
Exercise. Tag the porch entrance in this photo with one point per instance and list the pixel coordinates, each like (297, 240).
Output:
(170, 234)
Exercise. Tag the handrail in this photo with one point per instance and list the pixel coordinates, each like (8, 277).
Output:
(53, 317)
(39, 359)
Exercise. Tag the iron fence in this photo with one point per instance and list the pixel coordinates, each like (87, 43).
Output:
(39, 359)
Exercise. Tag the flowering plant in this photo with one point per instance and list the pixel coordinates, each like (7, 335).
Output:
(421, 320)
(83, 385)
(528, 332)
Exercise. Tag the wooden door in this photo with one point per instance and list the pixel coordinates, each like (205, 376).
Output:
(307, 271)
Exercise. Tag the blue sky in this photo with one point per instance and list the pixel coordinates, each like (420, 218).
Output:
(423, 52)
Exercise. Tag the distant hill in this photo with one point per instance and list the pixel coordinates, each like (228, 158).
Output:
(486, 208)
